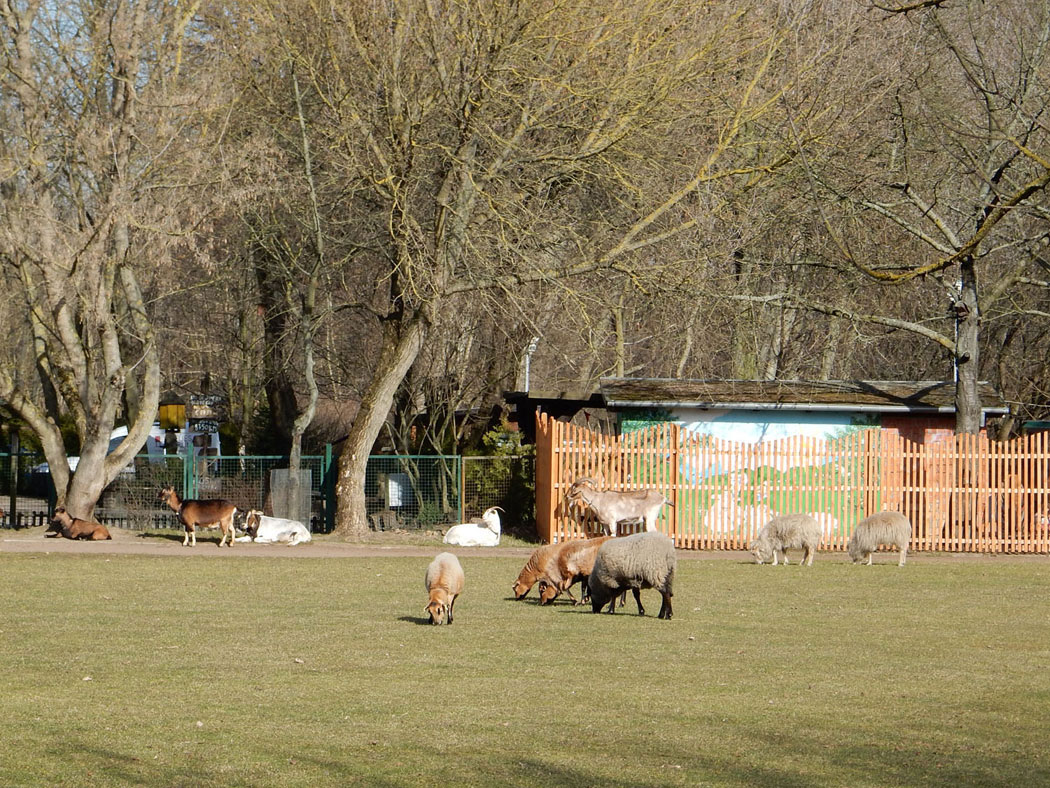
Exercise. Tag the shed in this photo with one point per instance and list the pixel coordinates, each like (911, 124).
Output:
(756, 411)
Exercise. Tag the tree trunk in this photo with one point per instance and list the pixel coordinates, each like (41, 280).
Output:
(399, 354)
(967, 393)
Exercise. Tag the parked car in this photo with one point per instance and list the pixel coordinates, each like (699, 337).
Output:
(37, 480)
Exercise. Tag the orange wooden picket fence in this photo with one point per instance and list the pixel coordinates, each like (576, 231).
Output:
(962, 494)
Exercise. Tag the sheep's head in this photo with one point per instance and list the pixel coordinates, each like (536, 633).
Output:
(762, 551)
(520, 588)
(548, 592)
(438, 612)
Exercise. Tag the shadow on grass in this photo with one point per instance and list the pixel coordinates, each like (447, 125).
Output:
(169, 536)
(421, 620)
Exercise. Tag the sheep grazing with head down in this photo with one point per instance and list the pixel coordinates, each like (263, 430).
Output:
(573, 562)
(891, 529)
(535, 568)
(784, 531)
(480, 534)
(444, 582)
(645, 560)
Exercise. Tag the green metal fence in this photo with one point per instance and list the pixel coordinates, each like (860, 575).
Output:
(401, 491)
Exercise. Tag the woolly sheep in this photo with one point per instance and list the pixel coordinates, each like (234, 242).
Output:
(444, 582)
(483, 534)
(573, 562)
(535, 568)
(882, 528)
(784, 531)
(644, 560)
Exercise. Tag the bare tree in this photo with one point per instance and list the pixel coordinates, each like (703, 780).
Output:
(486, 147)
(959, 176)
(98, 148)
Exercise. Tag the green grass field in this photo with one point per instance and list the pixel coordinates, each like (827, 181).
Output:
(139, 670)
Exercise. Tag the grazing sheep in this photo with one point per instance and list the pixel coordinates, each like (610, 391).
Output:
(573, 562)
(64, 524)
(882, 528)
(444, 582)
(483, 534)
(645, 560)
(784, 531)
(535, 568)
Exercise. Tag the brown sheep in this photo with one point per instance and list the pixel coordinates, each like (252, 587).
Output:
(64, 524)
(573, 562)
(444, 582)
(535, 568)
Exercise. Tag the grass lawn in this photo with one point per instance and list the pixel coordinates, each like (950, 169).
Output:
(143, 670)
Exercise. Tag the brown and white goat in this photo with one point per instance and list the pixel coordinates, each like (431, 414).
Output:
(65, 524)
(573, 562)
(535, 568)
(211, 513)
(444, 582)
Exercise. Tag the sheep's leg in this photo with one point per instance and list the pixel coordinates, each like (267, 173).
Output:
(775, 561)
(665, 608)
(904, 554)
(869, 559)
(784, 555)
(451, 605)
(186, 538)
(638, 601)
(807, 556)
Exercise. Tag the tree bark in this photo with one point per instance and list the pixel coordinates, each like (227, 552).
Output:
(967, 352)
(399, 353)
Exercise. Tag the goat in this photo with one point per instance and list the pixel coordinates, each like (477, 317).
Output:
(483, 534)
(612, 507)
(212, 513)
(266, 530)
(64, 524)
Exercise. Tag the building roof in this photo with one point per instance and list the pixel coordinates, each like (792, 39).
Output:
(882, 396)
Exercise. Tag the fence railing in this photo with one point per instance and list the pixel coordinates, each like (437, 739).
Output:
(963, 494)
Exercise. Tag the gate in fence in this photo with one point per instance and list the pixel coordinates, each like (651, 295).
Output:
(962, 494)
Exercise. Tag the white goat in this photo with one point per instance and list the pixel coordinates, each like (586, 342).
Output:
(267, 530)
(482, 534)
(612, 507)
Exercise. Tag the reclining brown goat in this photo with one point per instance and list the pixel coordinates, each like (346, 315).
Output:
(64, 524)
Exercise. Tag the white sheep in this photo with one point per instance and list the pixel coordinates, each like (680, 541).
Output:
(482, 534)
(882, 528)
(644, 560)
(444, 582)
(784, 531)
